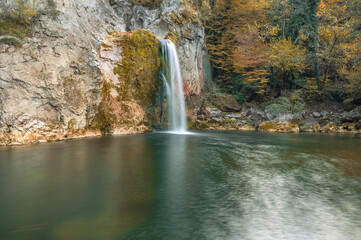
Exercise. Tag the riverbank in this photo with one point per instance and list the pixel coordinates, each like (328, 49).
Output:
(225, 125)
(218, 112)
(44, 136)
(282, 115)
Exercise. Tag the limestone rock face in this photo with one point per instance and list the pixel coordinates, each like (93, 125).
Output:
(129, 62)
(53, 79)
(174, 19)
(51, 86)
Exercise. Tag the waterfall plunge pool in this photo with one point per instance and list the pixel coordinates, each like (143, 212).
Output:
(209, 185)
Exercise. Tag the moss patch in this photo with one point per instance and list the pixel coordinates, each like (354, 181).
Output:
(11, 27)
(268, 126)
(278, 127)
(104, 119)
(227, 124)
(10, 40)
(19, 19)
(147, 3)
(174, 37)
(138, 70)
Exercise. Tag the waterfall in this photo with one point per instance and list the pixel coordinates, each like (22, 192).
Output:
(174, 86)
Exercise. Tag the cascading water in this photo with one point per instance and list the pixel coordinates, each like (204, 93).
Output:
(173, 82)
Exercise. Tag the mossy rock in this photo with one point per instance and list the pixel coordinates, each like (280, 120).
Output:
(104, 120)
(330, 127)
(323, 121)
(151, 4)
(225, 102)
(283, 127)
(138, 70)
(10, 40)
(296, 121)
(174, 37)
(201, 125)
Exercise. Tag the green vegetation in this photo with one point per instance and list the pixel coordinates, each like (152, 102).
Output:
(138, 75)
(227, 124)
(147, 3)
(138, 71)
(18, 20)
(261, 49)
(104, 119)
(10, 40)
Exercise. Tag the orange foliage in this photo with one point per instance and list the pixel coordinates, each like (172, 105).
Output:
(251, 58)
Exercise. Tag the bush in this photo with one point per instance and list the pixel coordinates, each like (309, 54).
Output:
(286, 107)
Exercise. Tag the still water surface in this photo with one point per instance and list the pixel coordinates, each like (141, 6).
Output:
(209, 185)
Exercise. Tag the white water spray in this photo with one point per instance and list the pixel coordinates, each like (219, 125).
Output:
(174, 85)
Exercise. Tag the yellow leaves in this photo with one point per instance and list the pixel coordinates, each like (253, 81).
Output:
(259, 5)
(205, 10)
(258, 78)
(287, 56)
(352, 49)
(273, 31)
(322, 10)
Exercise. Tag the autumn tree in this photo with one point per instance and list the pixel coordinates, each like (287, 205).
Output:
(251, 60)
(334, 29)
(222, 29)
(350, 70)
(288, 59)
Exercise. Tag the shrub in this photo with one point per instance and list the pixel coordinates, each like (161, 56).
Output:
(285, 107)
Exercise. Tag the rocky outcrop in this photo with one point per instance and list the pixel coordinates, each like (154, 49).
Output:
(53, 80)
(50, 85)
(282, 127)
(129, 63)
(283, 117)
(179, 21)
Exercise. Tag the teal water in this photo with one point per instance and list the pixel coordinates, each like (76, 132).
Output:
(209, 185)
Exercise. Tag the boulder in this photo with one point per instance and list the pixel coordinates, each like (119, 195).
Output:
(282, 127)
(316, 114)
(352, 116)
(225, 102)
(324, 120)
(358, 125)
(349, 126)
(330, 127)
(324, 114)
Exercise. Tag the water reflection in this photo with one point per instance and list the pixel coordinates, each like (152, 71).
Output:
(164, 186)
(69, 192)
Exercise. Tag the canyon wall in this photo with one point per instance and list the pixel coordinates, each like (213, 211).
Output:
(59, 80)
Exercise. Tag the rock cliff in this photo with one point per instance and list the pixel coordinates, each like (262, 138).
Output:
(63, 74)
